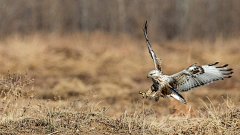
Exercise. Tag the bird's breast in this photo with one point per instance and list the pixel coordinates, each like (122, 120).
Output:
(162, 84)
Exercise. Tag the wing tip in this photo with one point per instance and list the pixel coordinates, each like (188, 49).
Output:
(145, 31)
(227, 73)
(212, 64)
(221, 66)
(183, 100)
(145, 27)
(225, 65)
(226, 69)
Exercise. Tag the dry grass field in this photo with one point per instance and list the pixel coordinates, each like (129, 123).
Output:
(89, 84)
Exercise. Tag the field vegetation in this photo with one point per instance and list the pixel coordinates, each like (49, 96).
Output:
(89, 84)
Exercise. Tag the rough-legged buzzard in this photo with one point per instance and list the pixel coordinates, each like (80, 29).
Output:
(168, 86)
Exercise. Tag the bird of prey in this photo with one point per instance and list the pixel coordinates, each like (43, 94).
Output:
(192, 77)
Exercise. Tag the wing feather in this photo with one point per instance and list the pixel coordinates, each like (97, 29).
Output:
(157, 61)
(177, 96)
(194, 77)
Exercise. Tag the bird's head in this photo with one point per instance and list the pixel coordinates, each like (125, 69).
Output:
(154, 74)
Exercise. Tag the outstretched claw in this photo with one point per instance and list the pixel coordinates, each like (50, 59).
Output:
(146, 95)
(143, 94)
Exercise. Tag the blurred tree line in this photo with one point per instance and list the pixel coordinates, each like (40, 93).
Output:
(167, 19)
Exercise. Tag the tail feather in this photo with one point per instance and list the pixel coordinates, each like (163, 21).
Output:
(177, 96)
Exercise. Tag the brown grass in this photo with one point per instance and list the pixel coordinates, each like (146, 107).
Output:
(89, 84)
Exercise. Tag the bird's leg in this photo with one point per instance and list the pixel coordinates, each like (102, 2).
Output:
(149, 91)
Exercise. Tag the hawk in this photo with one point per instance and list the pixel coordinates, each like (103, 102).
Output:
(192, 77)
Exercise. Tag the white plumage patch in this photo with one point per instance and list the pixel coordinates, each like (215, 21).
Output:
(194, 77)
(178, 98)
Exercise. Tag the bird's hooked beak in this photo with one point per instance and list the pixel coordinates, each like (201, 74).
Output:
(148, 76)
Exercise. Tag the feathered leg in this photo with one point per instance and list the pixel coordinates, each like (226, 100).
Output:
(149, 92)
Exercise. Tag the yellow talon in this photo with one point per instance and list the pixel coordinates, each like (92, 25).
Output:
(146, 95)
(142, 93)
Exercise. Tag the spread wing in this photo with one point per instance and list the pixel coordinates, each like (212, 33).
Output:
(194, 77)
(157, 61)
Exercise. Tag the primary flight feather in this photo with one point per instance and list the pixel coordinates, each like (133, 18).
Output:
(186, 80)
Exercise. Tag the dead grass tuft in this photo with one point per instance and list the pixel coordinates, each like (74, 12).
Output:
(89, 84)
